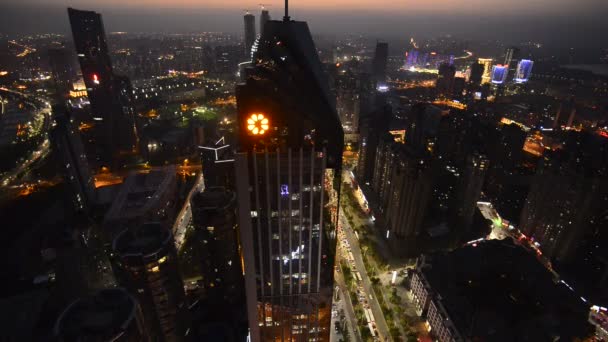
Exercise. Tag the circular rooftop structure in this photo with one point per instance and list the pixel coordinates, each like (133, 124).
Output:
(145, 241)
(105, 316)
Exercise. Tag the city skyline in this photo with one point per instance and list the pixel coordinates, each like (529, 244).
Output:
(339, 172)
(560, 23)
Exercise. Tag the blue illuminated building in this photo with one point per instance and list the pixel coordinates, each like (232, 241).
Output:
(499, 73)
(524, 69)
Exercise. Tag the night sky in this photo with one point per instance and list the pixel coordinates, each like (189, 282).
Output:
(560, 21)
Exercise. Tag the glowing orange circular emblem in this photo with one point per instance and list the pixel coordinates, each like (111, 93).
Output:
(257, 124)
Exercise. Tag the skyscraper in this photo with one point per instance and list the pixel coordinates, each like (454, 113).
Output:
(288, 166)
(512, 56)
(445, 79)
(108, 315)
(216, 234)
(499, 74)
(249, 33)
(67, 144)
(264, 17)
(113, 132)
(477, 70)
(379, 63)
(62, 71)
(524, 70)
(487, 69)
(145, 263)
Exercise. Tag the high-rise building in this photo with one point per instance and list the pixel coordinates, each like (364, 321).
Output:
(219, 255)
(477, 71)
(379, 63)
(348, 100)
(249, 33)
(108, 315)
(499, 74)
(264, 17)
(468, 190)
(113, 131)
(373, 127)
(288, 169)
(66, 142)
(445, 79)
(512, 56)
(143, 197)
(62, 71)
(568, 196)
(410, 189)
(524, 70)
(145, 262)
(487, 69)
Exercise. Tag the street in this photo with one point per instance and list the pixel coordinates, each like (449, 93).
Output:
(349, 244)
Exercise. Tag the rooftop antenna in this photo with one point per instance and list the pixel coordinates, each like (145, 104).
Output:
(286, 17)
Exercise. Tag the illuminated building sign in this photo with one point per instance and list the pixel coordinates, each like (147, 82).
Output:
(524, 69)
(257, 124)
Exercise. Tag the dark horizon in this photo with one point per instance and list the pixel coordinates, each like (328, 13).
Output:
(554, 29)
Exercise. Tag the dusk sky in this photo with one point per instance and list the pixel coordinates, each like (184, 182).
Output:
(518, 20)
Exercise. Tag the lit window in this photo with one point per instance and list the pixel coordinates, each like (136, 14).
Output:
(162, 260)
(154, 269)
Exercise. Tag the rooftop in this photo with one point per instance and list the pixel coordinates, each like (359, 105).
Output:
(145, 240)
(497, 291)
(103, 316)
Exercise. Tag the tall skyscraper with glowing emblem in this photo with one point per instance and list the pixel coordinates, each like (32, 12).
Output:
(288, 166)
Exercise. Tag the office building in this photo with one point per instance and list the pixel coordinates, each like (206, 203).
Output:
(348, 100)
(477, 71)
(214, 219)
(288, 169)
(145, 196)
(379, 63)
(264, 17)
(113, 127)
(487, 69)
(524, 70)
(218, 252)
(445, 80)
(145, 262)
(495, 291)
(62, 71)
(250, 34)
(499, 74)
(108, 315)
(66, 143)
(512, 56)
